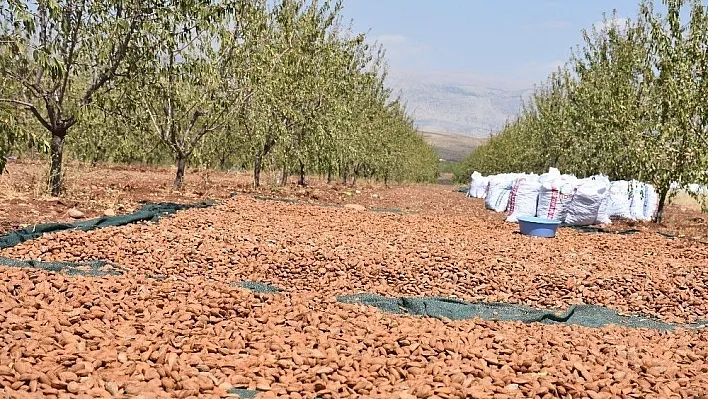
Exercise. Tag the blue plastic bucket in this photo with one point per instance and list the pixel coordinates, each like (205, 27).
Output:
(539, 227)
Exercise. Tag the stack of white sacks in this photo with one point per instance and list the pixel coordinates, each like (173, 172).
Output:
(572, 201)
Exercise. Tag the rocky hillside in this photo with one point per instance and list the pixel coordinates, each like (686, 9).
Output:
(462, 104)
(452, 147)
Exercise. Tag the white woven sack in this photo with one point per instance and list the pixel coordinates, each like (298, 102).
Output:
(523, 198)
(637, 198)
(651, 202)
(553, 198)
(584, 206)
(498, 191)
(619, 201)
(478, 186)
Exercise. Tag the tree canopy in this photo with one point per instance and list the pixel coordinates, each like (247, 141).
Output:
(629, 103)
(282, 86)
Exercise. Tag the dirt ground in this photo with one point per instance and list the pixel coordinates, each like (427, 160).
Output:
(124, 188)
(193, 333)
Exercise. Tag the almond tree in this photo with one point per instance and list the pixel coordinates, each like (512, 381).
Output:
(549, 117)
(63, 54)
(674, 149)
(192, 83)
(609, 101)
(8, 136)
(309, 35)
(265, 118)
(633, 105)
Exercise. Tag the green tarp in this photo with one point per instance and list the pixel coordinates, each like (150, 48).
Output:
(244, 393)
(591, 316)
(592, 229)
(450, 308)
(149, 212)
(94, 269)
(258, 287)
(454, 309)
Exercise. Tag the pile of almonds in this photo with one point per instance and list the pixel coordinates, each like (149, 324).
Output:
(194, 333)
(118, 336)
(335, 251)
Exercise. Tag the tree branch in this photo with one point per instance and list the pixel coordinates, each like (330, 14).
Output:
(71, 121)
(195, 116)
(32, 109)
(194, 105)
(35, 89)
(155, 125)
(70, 55)
(42, 9)
(107, 74)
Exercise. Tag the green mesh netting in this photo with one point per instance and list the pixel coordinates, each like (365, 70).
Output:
(386, 210)
(455, 309)
(148, 212)
(592, 229)
(94, 269)
(249, 394)
(265, 198)
(258, 287)
(244, 393)
(676, 236)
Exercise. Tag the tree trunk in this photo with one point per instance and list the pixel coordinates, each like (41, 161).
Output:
(329, 175)
(32, 149)
(284, 176)
(95, 159)
(257, 165)
(258, 162)
(301, 180)
(179, 178)
(356, 175)
(56, 154)
(663, 194)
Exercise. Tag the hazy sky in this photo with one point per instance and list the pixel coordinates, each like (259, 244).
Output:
(520, 40)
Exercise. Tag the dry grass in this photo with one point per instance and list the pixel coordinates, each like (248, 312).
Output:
(31, 180)
(684, 200)
(24, 182)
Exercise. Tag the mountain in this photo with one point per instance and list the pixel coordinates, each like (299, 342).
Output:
(458, 103)
(452, 147)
